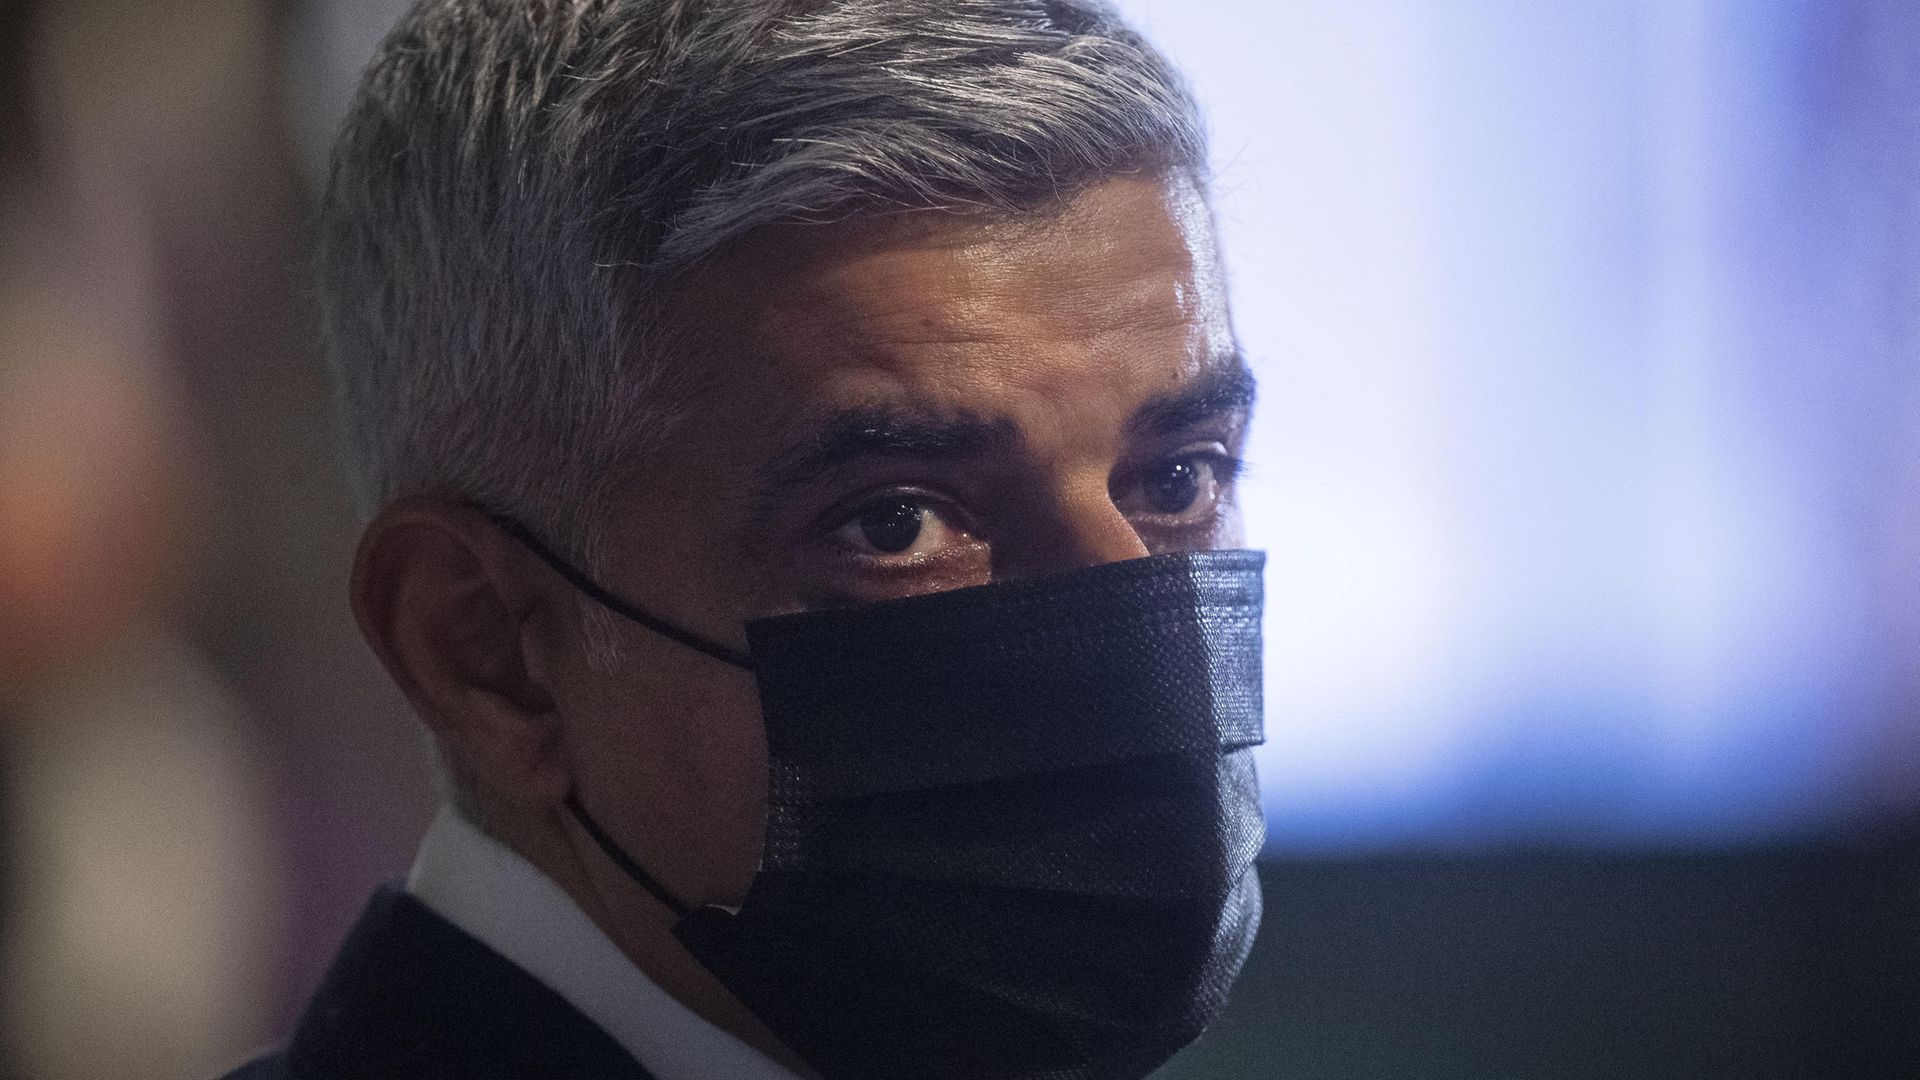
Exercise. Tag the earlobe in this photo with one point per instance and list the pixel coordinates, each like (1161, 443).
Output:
(439, 597)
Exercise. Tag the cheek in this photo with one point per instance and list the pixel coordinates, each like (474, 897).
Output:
(718, 786)
(1231, 531)
(681, 746)
(725, 791)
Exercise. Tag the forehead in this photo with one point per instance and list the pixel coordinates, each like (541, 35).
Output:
(1055, 329)
(1116, 297)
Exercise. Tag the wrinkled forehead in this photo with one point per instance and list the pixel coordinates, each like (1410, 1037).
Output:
(1121, 280)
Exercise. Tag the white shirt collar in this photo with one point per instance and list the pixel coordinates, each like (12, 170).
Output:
(484, 888)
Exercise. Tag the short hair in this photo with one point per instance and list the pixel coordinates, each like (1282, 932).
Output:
(518, 182)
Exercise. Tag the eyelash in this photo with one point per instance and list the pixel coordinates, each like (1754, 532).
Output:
(1226, 467)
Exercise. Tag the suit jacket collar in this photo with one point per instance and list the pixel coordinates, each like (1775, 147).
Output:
(507, 904)
(412, 997)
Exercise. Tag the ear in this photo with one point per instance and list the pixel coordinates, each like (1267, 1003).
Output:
(451, 607)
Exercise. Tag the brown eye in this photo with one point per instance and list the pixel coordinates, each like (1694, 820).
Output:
(897, 529)
(1171, 487)
(1179, 491)
(891, 527)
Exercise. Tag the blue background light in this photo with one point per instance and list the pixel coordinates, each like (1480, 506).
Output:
(1589, 448)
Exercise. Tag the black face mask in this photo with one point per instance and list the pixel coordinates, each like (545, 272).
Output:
(1010, 828)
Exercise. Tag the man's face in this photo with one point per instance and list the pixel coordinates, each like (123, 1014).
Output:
(892, 407)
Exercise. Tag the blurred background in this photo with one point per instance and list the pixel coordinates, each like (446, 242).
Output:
(1588, 458)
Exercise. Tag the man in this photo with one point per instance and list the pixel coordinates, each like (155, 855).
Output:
(800, 438)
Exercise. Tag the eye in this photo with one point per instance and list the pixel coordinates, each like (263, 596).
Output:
(1180, 490)
(1172, 488)
(895, 528)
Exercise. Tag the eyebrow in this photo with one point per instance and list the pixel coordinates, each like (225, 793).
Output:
(849, 436)
(1228, 386)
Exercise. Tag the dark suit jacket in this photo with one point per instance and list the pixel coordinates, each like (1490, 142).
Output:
(412, 997)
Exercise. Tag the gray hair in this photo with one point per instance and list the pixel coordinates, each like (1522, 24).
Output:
(519, 181)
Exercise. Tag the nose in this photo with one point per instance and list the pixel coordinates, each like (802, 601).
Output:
(1069, 530)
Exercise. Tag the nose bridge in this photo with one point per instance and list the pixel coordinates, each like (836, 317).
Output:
(1073, 525)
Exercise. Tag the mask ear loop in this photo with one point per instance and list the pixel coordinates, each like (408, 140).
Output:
(626, 863)
(575, 577)
(587, 585)
(680, 908)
